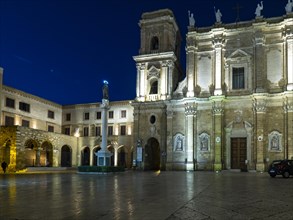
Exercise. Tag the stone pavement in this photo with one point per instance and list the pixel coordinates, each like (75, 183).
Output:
(145, 196)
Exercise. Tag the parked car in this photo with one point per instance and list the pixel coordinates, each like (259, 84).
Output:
(281, 167)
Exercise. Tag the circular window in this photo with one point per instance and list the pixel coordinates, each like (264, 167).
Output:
(152, 119)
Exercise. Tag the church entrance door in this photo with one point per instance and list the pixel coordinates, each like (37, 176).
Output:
(238, 153)
(152, 155)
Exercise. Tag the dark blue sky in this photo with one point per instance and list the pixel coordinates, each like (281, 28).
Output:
(62, 50)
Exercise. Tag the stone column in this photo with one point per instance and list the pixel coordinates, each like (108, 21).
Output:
(164, 81)
(289, 49)
(218, 127)
(218, 44)
(190, 114)
(190, 67)
(288, 112)
(170, 79)
(140, 82)
(169, 152)
(259, 54)
(259, 106)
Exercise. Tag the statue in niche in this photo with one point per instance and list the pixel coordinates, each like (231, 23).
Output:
(289, 6)
(179, 144)
(191, 19)
(275, 143)
(258, 9)
(218, 15)
(105, 90)
(204, 143)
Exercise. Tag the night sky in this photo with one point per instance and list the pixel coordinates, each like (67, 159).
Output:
(62, 50)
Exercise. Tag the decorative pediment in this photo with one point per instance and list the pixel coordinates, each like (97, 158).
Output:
(238, 54)
(153, 72)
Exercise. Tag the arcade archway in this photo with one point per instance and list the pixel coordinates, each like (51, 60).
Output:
(66, 156)
(152, 155)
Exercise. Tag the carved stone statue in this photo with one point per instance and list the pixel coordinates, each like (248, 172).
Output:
(191, 19)
(218, 15)
(289, 6)
(105, 90)
(258, 9)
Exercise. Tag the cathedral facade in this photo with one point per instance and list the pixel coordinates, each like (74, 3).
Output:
(234, 108)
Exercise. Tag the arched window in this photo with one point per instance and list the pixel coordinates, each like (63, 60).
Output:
(155, 43)
(154, 87)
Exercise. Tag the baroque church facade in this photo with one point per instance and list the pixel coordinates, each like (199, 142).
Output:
(231, 109)
(234, 108)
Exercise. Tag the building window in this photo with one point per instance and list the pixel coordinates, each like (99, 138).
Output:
(67, 131)
(10, 103)
(50, 128)
(25, 123)
(110, 130)
(51, 114)
(123, 114)
(155, 43)
(9, 121)
(86, 116)
(99, 115)
(68, 117)
(122, 130)
(238, 78)
(154, 87)
(24, 106)
(86, 131)
(98, 131)
(111, 114)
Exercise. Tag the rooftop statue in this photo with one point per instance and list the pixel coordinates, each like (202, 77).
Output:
(289, 6)
(258, 9)
(218, 15)
(191, 19)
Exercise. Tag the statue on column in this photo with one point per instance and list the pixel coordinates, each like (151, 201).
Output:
(258, 9)
(289, 6)
(191, 19)
(218, 15)
(105, 90)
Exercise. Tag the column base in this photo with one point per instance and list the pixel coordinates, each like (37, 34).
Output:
(218, 167)
(189, 166)
(260, 167)
(290, 87)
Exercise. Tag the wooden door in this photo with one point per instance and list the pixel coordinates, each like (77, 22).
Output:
(238, 153)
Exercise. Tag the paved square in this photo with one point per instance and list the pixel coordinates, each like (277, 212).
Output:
(145, 195)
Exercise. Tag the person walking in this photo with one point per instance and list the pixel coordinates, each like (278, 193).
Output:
(4, 166)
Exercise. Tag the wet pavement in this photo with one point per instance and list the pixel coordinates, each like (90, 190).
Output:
(145, 196)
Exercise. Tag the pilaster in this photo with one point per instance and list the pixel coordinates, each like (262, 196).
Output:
(218, 111)
(259, 62)
(190, 115)
(288, 36)
(288, 112)
(218, 46)
(191, 65)
(140, 81)
(260, 107)
(169, 150)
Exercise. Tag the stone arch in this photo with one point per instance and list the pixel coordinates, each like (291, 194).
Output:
(5, 151)
(95, 157)
(154, 43)
(31, 153)
(152, 155)
(47, 153)
(66, 156)
(85, 156)
(122, 156)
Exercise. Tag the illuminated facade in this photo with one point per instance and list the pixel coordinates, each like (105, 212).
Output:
(233, 110)
(37, 132)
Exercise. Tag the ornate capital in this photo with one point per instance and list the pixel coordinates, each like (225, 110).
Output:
(190, 109)
(140, 66)
(218, 41)
(218, 108)
(259, 106)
